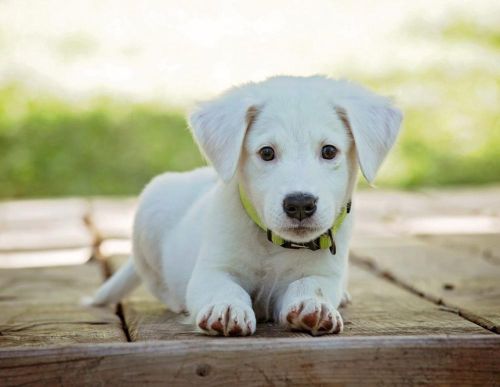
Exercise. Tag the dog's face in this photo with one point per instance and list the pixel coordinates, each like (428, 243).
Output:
(295, 166)
(296, 143)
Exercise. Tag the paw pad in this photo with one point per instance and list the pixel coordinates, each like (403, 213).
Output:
(313, 316)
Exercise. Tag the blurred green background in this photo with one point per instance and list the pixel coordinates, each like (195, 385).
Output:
(107, 144)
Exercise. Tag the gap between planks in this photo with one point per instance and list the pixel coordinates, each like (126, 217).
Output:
(387, 275)
(97, 241)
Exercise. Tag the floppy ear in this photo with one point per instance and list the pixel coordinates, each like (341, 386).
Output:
(219, 127)
(374, 127)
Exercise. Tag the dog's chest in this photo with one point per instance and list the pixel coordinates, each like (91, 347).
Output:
(272, 276)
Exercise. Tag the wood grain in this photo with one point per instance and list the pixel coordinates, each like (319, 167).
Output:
(42, 306)
(436, 360)
(379, 308)
(460, 280)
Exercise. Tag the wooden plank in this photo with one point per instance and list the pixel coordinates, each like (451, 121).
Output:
(50, 285)
(26, 213)
(444, 202)
(48, 324)
(458, 279)
(480, 201)
(44, 232)
(25, 259)
(391, 213)
(113, 218)
(110, 247)
(379, 308)
(437, 360)
(449, 225)
(377, 211)
(485, 245)
(43, 306)
(71, 233)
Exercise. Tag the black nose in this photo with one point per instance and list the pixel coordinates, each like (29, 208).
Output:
(300, 205)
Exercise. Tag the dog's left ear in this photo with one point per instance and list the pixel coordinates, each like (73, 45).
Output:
(374, 125)
(219, 127)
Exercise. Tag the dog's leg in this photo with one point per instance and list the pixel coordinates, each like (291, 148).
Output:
(309, 304)
(221, 306)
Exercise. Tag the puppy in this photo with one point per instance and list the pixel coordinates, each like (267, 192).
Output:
(264, 234)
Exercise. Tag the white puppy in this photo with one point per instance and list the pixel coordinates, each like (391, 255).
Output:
(264, 234)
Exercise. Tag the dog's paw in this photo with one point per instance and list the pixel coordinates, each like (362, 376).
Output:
(313, 316)
(226, 319)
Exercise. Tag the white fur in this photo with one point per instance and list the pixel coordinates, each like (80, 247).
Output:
(197, 250)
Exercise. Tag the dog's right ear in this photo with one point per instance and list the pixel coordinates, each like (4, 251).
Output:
(219, 127)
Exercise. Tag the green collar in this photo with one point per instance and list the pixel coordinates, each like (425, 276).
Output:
(324, 241)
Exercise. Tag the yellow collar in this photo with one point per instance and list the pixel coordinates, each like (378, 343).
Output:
(324, 241)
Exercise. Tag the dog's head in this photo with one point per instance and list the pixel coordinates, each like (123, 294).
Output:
(294, 145)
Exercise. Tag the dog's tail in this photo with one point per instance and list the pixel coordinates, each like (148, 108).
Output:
(114, 289)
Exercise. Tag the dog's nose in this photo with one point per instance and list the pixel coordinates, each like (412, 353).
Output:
(300, 205)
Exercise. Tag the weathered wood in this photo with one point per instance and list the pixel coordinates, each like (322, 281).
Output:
(439, 202)
(463, 281)
(45, 236)
(48, 324)
(400, 337)
(43, 306)
(379, 308)
(28, 213)
(437, 360)
(50, 285)
(448, 225)
(25, 259)
(110, 247)
(44, 233)
(112, 218)
(391, 213)
(485, 245)
(484, 200)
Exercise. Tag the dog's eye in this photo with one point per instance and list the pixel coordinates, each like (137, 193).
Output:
(266, 153)
(328, 152)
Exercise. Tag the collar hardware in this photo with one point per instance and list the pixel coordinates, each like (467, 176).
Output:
(324, 241)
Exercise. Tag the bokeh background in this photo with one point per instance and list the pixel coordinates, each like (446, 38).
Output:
(93, 94)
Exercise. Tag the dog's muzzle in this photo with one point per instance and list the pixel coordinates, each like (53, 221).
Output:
(324, 241)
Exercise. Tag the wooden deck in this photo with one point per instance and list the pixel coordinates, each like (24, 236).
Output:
(425, 281)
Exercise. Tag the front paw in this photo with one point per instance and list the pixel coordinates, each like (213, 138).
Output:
(226, 319)
(313, 316)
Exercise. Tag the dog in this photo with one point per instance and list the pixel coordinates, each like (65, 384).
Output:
(264, 233)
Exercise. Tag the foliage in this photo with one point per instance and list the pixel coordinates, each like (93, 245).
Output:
(49, 147)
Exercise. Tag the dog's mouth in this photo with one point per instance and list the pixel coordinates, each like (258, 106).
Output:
(300, 234)
(301, 229)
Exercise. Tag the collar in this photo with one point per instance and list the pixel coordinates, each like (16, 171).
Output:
(324, 241)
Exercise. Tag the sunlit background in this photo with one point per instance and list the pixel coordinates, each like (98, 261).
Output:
(93, 94)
